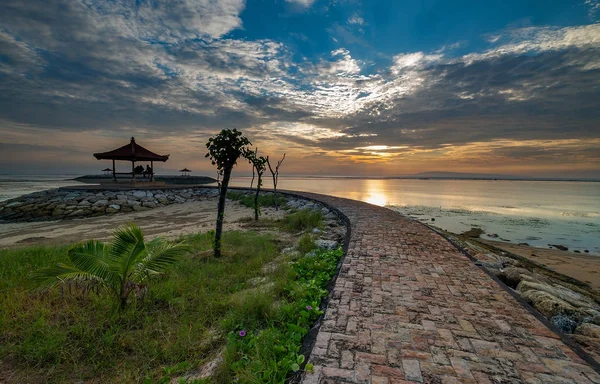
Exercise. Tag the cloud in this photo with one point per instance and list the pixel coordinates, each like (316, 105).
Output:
(302, 3)
(84, 69)
(356, 20)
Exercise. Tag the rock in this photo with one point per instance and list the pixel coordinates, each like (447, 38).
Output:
(100, 203)
(473, 232)
(493, 235)
(326, 244)
(179, 200)
(586, 251)
(574, 299)
(126, 208)
(121, 197)
(111, 210)
(58, 212)
(564, 323)
(589, 330)
(139, 208)
(547, 304)
(149, 194)
(512, 276)
(527, 244)
(149, 204)
(133, 203)
(116, 207)
(84, 203)
(139, 194)
(159, 196)
(432, 219)
(316, 231)
(558, 246)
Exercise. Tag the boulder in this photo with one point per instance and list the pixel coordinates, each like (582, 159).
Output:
(133, 203)
(149, 204)
(179, 200)
(111, 210)
(101, 203)
(58, 212)
(84, 203)
(116, 207)
(326, 244)
(121, 197)
(573, 298)
(547, 304)
(589, 330)
(139, 194)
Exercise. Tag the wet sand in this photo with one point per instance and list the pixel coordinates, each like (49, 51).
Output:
(582, 267)
(170, 221)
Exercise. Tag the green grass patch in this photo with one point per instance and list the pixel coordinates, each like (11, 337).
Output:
(303, 220)
(264, 199)
(306, 243)
(54, 337)
(199, 306)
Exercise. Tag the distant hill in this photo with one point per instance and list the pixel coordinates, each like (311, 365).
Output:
(460, 175)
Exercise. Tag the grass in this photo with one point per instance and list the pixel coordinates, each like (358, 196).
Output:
(197, 309)
(305, 219)
(48, 337)
(264, 199)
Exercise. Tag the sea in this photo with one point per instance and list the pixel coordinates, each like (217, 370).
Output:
(538, 213)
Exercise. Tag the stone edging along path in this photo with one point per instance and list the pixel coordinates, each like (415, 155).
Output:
(409, 307)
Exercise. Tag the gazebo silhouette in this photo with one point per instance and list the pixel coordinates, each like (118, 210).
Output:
(185, 172)
(131, 152)
(107, 171)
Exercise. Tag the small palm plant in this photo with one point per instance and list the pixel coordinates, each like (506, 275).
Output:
(124, 266)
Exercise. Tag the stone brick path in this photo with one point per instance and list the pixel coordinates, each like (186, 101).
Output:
(408, 307)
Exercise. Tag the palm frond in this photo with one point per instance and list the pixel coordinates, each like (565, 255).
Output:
(126, 249)
(90, 257)
(160, 254)
(46, 278)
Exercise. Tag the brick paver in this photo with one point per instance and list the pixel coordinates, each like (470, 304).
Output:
(407, 307)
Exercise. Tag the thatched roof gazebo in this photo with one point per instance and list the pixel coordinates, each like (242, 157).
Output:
(185, 172)
(131, 152)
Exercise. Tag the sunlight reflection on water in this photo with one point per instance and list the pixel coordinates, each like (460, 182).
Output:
(536, 212)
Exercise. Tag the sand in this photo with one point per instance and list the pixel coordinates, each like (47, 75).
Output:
(582, 267)
(170, 222)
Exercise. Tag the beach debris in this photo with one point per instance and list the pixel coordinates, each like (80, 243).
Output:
(473, 232)
(493, 235)
(558, 246)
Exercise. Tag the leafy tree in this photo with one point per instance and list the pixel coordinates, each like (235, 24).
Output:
(124, 266)
(259, 165)
(275, 174)
(224, 150)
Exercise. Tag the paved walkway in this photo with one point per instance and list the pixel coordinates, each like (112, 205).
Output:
(408, 307)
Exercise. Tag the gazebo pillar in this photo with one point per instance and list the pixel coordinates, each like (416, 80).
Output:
(114, 171)
(132, 170)
(152, 171)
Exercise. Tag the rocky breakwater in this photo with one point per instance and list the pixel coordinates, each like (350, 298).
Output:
(58, 204)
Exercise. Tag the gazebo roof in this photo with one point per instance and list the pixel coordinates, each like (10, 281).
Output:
(106, 170)
(131, 152)
(185, 170)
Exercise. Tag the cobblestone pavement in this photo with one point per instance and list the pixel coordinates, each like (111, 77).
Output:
(408, 307)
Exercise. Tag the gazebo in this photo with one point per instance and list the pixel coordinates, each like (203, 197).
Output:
(131, 152)
(185, 172)
(107, 171)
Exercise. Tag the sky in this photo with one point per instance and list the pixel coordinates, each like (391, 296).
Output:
(343, 87)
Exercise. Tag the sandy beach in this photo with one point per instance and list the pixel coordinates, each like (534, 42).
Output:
(582, 267)
(169, 221)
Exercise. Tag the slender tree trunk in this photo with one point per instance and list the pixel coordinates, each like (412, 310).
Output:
(275, 192)
(221, 211)
(123, 295)
(256, 198)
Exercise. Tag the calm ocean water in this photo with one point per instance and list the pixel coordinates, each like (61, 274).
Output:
(534, 212)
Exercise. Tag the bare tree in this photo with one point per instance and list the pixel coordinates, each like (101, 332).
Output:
(224, 150)
(259, 165)
(275, 174)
